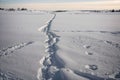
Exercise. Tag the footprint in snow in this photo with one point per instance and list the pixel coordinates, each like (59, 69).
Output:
(92, 67)
(86, 46)
(115, 76)
(88, 53)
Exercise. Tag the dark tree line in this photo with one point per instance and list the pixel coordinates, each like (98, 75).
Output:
(115, 10)
(1, 8)
(12, 9)
(22, 9)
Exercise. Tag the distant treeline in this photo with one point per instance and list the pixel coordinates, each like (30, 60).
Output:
(60, 11)
(113, 10)
(25, 9)
(12, 9)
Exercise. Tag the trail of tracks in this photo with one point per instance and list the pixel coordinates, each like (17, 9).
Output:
(9, 76)
(49, 63)
(51, 66)
(7, 51)
(11, 49)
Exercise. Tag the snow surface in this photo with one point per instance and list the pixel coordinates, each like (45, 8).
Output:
(45, 45)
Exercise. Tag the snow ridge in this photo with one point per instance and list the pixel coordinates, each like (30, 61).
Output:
(11, 49)
(48, 63)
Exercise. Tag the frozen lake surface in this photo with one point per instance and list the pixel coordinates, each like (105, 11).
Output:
(73, 45)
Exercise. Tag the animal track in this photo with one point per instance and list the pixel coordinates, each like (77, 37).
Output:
(88, 53)
(92, 67)
(115, 76)
(8, 76)
(11, 49)
(86, 46)
(113, 44)
(49, 62)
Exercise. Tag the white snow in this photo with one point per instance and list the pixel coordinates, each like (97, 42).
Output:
(45, 45)
(82, 34)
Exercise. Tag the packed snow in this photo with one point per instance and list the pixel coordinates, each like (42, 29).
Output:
(72, 45)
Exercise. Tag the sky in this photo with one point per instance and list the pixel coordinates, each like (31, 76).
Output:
(61, 4)
(44, 1)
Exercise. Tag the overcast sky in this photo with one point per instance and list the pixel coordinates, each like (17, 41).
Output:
(62, 4)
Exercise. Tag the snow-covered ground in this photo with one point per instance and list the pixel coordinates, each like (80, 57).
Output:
(21, 44)
(73, 45)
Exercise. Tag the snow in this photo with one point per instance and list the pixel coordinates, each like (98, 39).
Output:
(84, 47)
(17, 30)
(45, 45)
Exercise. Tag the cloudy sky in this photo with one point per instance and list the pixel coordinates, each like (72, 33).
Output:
(61, 4)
